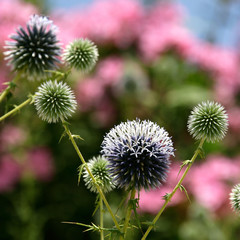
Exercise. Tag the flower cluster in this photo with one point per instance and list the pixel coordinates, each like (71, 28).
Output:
(138, 153)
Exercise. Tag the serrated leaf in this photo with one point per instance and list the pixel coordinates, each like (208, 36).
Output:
(186, 162)
(77, 137)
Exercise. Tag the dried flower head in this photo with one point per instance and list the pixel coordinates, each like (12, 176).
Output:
(235, 198)
(34, 49)
(81, 54)
(138, 153)
(100, 171)
(54, 101)
(208, 120)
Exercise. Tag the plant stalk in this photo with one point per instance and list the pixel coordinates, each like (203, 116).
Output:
(101, 217)
(175, 189)
(128, 213)
(17, 108)
(91, 175)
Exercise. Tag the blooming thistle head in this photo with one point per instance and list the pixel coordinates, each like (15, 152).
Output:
(54, 101)
(34, 49)
(100, 171)
(138, 153)
(81, 54)
(208, 120)
(235, 198)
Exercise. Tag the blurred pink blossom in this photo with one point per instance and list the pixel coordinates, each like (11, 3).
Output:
(12, 14)
(40, 163)
(110, 70)
(152, 201)
(208, 181)
(102, 26)
(10, 173)
(234, 119)
(3, 76)
(11, 136)
(89, 93)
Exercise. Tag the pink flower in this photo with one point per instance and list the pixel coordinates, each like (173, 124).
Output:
(110, 70)
(100, 24)
(11, 136)
(10, 173)
(89, 93)
(208, 181)
(40, 163)
(234, 119)
(152, 201)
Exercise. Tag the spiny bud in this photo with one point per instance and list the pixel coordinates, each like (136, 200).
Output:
(208, 120)
(54, 101)
(81, 54)
(99, 168)
(235, 198)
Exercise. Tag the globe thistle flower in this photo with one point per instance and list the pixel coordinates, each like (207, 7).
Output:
(208, 120)
(100, 171)
(235, 198)
(34, 49)
(138, 153)
(54, 101)
(81, 54)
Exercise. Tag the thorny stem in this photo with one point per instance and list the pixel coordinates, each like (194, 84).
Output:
(91, 175)
(101, 217)
(198, 150)
(128, 213)
(17, 108)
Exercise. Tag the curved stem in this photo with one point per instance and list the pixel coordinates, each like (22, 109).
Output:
(16, 109)
(101, 217)
(11, 85)
(128, 213)
(90, 174)
(175, 189)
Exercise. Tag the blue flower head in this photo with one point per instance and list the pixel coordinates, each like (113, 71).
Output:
(34, 49)
(138, 153)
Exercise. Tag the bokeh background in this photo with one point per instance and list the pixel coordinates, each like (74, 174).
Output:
(158, 59)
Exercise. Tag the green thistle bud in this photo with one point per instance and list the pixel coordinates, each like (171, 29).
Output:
(54, 101)
(208, 120)
(100, 171)
(81, 54)
(235, 198)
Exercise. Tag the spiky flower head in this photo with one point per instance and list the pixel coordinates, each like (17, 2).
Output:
(34, 49)
(138, 153)
(235, 198)
(81, 54)
(208, 120)
(54, 101)
(99, 168)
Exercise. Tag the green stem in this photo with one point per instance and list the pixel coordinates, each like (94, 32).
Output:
(101, 217)
(4, 93)
(175, 189)
(128, 213)
(11, 85)
(91, 175)
(17, 108)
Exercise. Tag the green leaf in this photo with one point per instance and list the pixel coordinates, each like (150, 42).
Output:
(182, 188)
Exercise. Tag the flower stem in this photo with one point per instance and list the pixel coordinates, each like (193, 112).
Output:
(17, 108)
(198, 150)
(101, 217)
(128, 213)
(91, 175)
